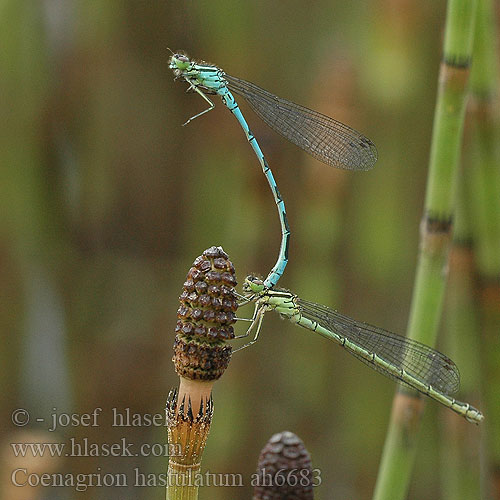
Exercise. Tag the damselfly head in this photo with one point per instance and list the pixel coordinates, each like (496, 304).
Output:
(252, 284)
(179, 61)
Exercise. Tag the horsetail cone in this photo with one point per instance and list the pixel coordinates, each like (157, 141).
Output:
(204, 324)
(205, 317)
(284, 469)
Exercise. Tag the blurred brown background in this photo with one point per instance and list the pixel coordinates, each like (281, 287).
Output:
(106, 201)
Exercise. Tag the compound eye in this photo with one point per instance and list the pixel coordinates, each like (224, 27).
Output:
(181, 57)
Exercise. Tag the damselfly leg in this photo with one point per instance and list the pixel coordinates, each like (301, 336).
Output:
(256, 325)
(194, 88)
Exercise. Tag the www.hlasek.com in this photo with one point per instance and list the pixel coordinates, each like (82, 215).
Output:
(136, 478)
(85, 448)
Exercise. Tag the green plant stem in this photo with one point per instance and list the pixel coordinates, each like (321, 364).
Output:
(485, 181)
(484, 191)
(460, 447)
(401, 442)
(188, 427)
(182, 484)
(23, 83)
(24, 220)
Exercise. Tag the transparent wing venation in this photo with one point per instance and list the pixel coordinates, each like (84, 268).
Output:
(420, 361)
(326, 139)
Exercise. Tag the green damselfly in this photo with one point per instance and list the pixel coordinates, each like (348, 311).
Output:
(404, 360)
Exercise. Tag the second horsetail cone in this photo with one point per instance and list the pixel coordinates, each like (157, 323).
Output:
(284, 469)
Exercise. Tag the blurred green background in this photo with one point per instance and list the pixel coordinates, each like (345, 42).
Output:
(106, 201)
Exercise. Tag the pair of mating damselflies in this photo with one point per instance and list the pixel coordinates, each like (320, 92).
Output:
(407, 361)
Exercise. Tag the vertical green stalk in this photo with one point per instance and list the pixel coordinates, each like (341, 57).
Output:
(460, 447)
(23, 98)
(401, 441)
(478, 202)
(484, 190)
(485, 181)
(24, 215)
